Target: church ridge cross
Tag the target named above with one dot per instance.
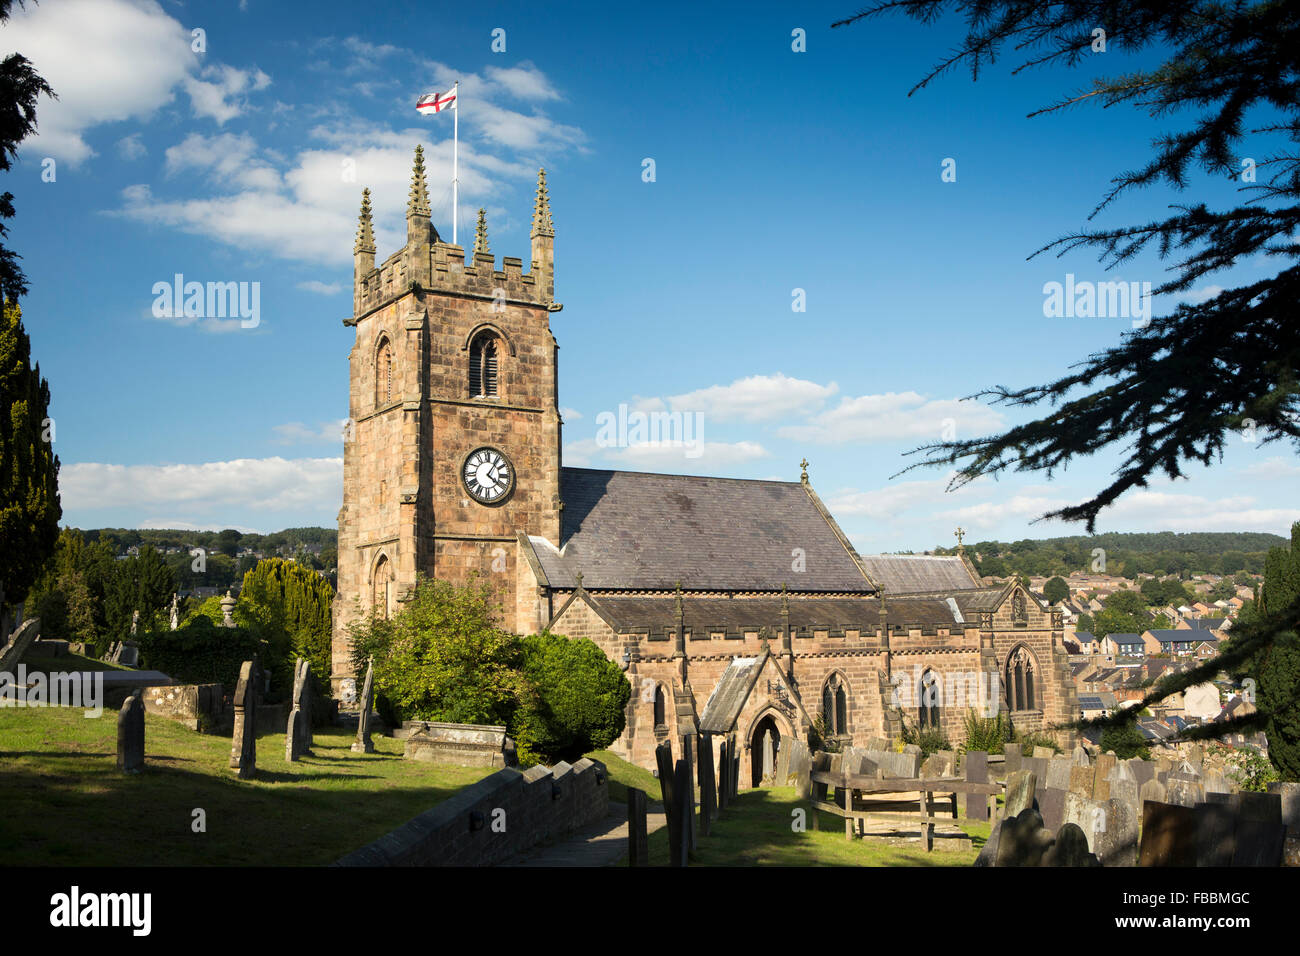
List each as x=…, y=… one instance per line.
x=959, y=534
x=803, y=469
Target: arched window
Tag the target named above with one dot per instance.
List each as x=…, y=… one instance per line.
x=384, y=373
x=1021, y=692
x=483, y=366
x=660, y=719
x=835, y=705
x=928, y=705
x=379, y=593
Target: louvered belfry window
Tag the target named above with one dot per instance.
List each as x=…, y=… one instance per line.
x=384, y=373
x=483, y=367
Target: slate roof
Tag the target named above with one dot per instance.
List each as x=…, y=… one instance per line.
x=729, y=696
x=1207, y=623
x=1125, y=640
x=735, y=614
x=637, y=531
x=1183, y=636
x=1090, y=702
x=915, y=573
x=1085, y=637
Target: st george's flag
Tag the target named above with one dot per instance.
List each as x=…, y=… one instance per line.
x=436, y=102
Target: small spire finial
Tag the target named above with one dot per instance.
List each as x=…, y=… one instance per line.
x=417, y=203
x=680, y=611
x=480, y=235
x=365, y=227
x=578, y=576
x=542, y=225
x=785, y=600
x=803, y=474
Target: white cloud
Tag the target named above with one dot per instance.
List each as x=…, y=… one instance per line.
x=131, y=147
x=226, y=158
x=754, y=399
x=1273, y=468
x=323, y=288
x=570, y=414
x=890, y=501
x=700, y=458
x=224, y=489
x=525, y=81
x=1203, y=294
x=113, y=60
x=895, y=415
x=296, y=433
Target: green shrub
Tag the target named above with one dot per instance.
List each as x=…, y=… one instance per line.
x=929, y=739
x=198, y=653
x=579, y=697
x=1031, y=740
x=1126, y=740
x=987, y=733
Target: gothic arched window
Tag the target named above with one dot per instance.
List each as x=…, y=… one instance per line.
x=928, y=705
x=384, y=372
x=1021, y=692
x=660, y=719
x=835, y=705
x=483, y=354
x=379, y=592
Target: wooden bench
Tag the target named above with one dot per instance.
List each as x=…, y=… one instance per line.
x=857, y=788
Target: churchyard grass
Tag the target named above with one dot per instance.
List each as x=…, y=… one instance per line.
x=623, y=775
x=756, y=830
x=66, y=803
x=67, y=664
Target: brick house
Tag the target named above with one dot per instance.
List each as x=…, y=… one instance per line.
x=453, y=467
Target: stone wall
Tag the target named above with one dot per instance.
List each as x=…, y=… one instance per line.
x=469, y=830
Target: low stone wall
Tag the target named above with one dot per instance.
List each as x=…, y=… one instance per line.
x=186, y=703
x=495, y=819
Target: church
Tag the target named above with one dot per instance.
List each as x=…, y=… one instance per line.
x=738, y=606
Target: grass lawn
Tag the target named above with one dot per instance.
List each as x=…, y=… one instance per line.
x=623, y=775
x=66, y=803
x=756, y=831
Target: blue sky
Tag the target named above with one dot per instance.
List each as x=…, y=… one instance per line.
x=775, y=170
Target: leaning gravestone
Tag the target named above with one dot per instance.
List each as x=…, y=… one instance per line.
x=1038, y=767
x=1168, y=835
x=1080, y=757
x=1184, y=791
x=1069, y=849
x=1142, y=770
x=1020, y=793
x=782, y=761
x=243, y=747
x=1023, y=840
x=1258, y=806
x=130, y=735
x=363, y=744
x=303, y=700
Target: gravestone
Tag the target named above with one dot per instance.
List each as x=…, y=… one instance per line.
x=1044, y=753
x=1152, y=791
x=243, y=745
x=977, y=771
x=1058, y=773
x=1258, y=806
x=687, y=792
x=363, y=743
x=1012, y=755
x=302, y=700
x=1020, y=793
x=802, y=783
x=1051, y=806
x=1258, y=843
x=638, y=838
x=1080, y=757
x=1102, y=770
x=130, y=735
x=1216, y=834
x=1038, y=767
x=129, y=654
x=1289, y=796
x=1168, y=835
x=1083, y=812
x=668, y=793
x=1069, y=849
x=685, y=795
x=1023, y=840
x=1215, y=782
x=941, y=763
x=708, y=784
x=988, y=854
x=1142, y=770
x=1183, y=791
x=293, y=736
x=877, y=743
x=1115, y=835
x=1081, y=780
x=782, y=761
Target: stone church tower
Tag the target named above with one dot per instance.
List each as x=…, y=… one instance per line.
x=452, y=449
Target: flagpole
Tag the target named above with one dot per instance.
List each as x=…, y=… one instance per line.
x=455, y=158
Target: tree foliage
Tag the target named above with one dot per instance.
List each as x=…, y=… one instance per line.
x=581, y=696
x=1177, y=391
x=1056, y=590
x=29, y=493
x=291, y=610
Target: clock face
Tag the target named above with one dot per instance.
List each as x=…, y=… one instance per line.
x=488, y=475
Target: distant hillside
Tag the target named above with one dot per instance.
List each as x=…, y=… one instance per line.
x=285, y=543
x=1162, y=552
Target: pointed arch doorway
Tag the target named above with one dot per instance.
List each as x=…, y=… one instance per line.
x=763, y=747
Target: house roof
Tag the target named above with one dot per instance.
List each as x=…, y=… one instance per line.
x=1090, y=702
x=637, y=531
x=1085, y=637
x=1125, y=640
x=1182, y=636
